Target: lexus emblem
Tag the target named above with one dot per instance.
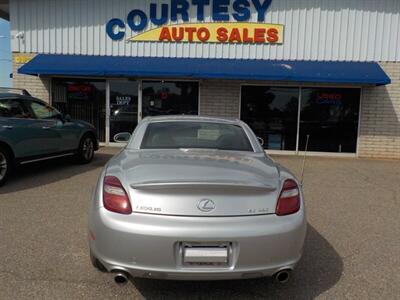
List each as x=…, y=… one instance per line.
x=206, y=205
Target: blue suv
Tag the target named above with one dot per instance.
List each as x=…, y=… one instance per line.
x=31, y=131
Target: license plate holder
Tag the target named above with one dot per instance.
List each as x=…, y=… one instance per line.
x=206, y=255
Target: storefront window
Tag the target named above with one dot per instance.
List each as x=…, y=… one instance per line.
x=272, y=113
x=83, y=100
x=170, y=98
x=330, y=117
x=123, y=107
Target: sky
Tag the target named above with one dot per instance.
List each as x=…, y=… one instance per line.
x=5, y=54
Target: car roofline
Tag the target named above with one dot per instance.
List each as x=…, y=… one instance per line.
x=10, y=95
x=140, y=130
x=18, y=96
x=175, y=118
x=21, y=97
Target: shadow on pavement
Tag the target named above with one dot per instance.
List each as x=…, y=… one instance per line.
x=319, y=270
x=46, y=172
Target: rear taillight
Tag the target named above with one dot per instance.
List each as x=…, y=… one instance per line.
x=289, y=199
x=115, y=198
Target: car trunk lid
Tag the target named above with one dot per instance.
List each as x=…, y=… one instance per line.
x=202, y=183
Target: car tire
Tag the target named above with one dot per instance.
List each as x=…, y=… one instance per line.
x=6, y=165
x=86, y=149
x=96, y=264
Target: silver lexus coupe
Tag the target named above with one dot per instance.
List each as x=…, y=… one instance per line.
x=195, y=198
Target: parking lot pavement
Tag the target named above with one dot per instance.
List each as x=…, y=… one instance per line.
x=352, y=247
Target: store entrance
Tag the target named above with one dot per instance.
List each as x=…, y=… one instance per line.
x=117, y=105
x=123, y=107
x=157, y=98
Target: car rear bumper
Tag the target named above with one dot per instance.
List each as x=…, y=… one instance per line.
x=150, y=246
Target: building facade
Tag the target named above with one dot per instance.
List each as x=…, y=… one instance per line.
x=326, y=71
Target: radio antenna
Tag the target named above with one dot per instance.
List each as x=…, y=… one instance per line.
x=304, y=161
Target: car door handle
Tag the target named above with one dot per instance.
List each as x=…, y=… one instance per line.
x=46, y=127
x=8, y=127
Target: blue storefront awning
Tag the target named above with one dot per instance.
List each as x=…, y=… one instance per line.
x=360, y=73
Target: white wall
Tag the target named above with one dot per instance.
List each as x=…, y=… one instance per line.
x=351, y=30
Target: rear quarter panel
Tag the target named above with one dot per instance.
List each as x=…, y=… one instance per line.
x=19, y=138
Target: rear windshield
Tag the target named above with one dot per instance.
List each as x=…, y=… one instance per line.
x=175, y=135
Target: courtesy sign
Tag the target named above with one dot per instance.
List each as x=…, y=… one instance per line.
x=218, y=21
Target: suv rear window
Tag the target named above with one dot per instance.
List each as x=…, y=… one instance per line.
x=188, y=134
x=43, y=111
x=12, y=108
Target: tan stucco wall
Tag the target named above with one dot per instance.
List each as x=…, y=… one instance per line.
x=380, y=118
x=219, y=98
x=38, y=87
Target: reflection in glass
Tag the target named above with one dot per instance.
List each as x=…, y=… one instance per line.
x=170, y=98
x=82, y=100
x=330, y=117
x=123, y=107
x=272, y=114
x=195, y=135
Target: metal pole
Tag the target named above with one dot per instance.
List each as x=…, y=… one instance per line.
x=304, y=160
x=108, y=112
x=298, y=122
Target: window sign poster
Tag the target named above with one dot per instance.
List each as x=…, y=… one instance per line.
x=79, y=91
x=123, y=100
x=329, y=98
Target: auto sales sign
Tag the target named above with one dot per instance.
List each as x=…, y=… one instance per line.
x=214, y=21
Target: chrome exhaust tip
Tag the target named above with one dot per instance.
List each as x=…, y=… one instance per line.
x=282, y=276
x=120, y=278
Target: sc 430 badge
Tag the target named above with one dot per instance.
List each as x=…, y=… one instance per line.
x=258, y=211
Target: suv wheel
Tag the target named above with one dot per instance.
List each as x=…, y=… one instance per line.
x=86, y=149
x=5, y=165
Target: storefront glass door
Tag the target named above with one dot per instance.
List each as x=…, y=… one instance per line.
x=123, y=107
x=170, y=98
